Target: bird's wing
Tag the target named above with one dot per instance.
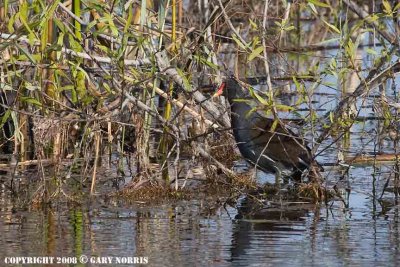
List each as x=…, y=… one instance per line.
x=281, y=145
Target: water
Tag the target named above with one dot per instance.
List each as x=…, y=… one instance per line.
x=203, y=233
x=362, y=229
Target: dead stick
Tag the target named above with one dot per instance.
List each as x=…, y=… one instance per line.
x=207, y=155
x=96, y=159
x=27, y=163
x=182, y=106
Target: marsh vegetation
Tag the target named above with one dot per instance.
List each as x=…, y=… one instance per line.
x=120, y=92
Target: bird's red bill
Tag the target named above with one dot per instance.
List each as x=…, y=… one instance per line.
x=220, y=90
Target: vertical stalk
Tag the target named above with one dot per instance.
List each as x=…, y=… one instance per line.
x=180, y=12
x=173, y=26
x=76, y=9
x=168, y=106
x=266, y=64
x=3, y=13
x=143, y=137
x=396, y=184
x=96, y=160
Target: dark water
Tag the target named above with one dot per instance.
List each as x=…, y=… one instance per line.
x=202, y=233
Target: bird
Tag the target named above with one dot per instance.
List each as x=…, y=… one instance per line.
x=269, y=146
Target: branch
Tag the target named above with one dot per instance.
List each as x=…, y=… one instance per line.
x=166, y=68
x=373, y=80
x=108, y=60
x=364, y=15
x=228, y=21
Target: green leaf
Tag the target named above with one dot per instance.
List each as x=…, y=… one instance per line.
x=256, y=52
x=372, y=18
x=186, y=82
x=241, y=100
x=253, y=24
x=238, y=42
x=333, y=27
x=284, y=107
x=371, y=51
x=290, y=28
x=296, y=82
x=333, y=64
x=31, y=87
x=60, y=25
x=274, y=125
x=255, y=42
x=107, y=88
x=260, y=99
x=26, y=53
x=328, y=41
x=31, y=100
x=10, y=24
x=318, y=3
x=387, y=8
x=313, y=8
x=248, y=114
x=5, y=117
x=206, y=62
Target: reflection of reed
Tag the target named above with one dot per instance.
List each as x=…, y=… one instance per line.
x=51, y=234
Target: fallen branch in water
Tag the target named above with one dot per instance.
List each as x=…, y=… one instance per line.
x=384, y=158
x=207, y=155
x=29, y=163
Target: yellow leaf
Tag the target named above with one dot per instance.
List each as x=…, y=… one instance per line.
x=387, y=7
x=238, y=42
x=284, y=107
x=333, y=27
x=318, y=3
x=261, y=100
x=256, y=52
x=274, y=125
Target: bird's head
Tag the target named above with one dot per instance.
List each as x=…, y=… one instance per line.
x=230, y=83
x=232, y=88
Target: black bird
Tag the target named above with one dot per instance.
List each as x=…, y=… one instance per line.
x=277, y=150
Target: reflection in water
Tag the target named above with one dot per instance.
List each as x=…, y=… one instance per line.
x=265, y=233
x=363, y=233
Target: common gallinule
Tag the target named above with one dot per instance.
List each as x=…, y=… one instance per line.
x=278, y=150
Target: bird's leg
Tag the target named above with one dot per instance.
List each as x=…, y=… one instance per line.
x=278, y=176
x=254, y=176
